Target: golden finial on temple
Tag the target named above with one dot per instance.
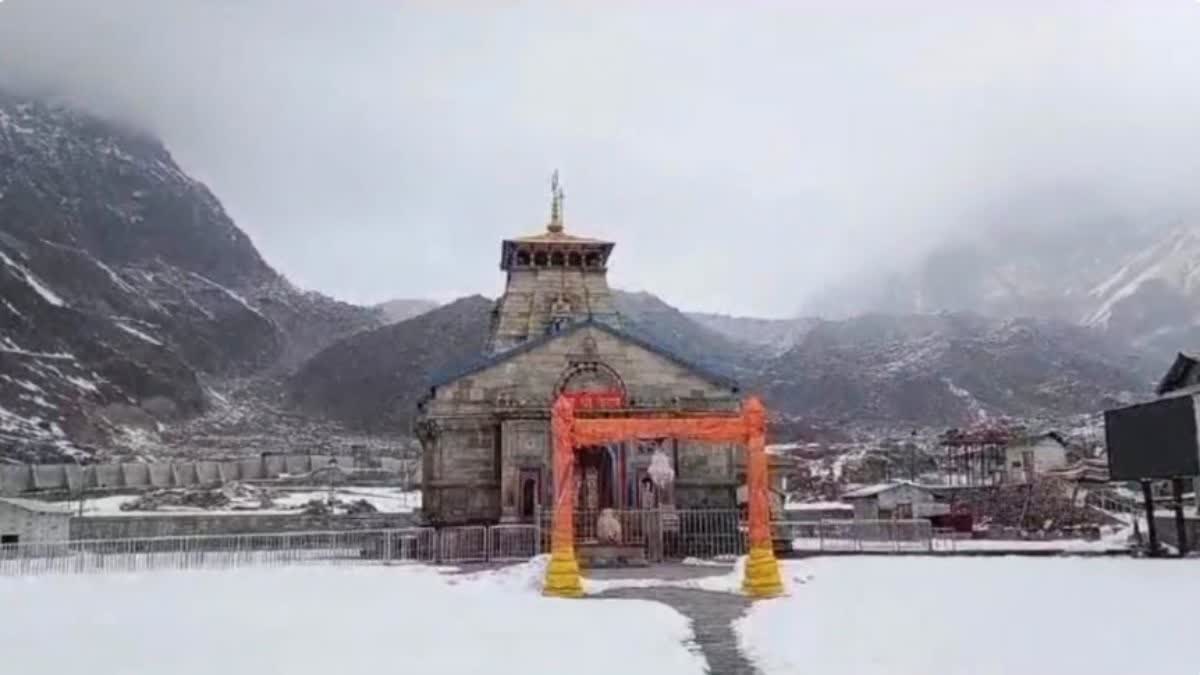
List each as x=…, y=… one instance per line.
x=556, y=205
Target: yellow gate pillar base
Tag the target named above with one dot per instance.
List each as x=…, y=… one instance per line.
x=762, y=578
x=562, y=575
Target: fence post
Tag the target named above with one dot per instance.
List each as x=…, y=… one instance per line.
x=537, y=530
x=658, y=534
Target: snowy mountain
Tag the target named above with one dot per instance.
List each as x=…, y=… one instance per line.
x=949, y=369
x=135, y=317
x=1137, y=284
x=772, y=336
x=875, y=370
x=399, y=309
x=1153, y=298
x=124, y=285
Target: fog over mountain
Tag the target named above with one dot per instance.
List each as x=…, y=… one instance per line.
x=747, y=160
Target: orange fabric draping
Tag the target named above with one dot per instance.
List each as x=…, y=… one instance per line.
x=761, y=578
x=571, y=432
x=584, y=400
x=756, y=473
x=562, y=419
x=597, y=431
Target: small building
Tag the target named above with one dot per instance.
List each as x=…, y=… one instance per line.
x=1032, y=456
x=29, y=521
x=816, y=511
x=898, y=500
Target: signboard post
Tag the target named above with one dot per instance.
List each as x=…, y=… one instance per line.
x=1159, y=440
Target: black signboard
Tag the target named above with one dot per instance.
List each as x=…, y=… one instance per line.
x=1153, y=440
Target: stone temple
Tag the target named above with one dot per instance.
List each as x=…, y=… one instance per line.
x=485, y=430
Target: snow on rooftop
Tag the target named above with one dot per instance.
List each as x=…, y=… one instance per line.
x=384, y=499
x=37, y=506
x=872, y=490
x=818, y=506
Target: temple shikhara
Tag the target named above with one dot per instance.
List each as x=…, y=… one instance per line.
x=485, y=429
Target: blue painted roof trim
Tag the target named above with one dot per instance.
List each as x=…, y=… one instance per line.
x=442, y=379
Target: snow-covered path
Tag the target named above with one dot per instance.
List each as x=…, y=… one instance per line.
x=321, y=620
x=978, y=616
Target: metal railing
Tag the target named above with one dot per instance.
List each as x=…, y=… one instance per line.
x=499, y=543
x=512, y=542
x=664, y=534
x=869, y=536
x=463, y=544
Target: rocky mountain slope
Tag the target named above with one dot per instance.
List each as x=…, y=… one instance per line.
x=1152, y=299
x=1138, y=284
x=949, y=369
x=881, y=370
x=770, y=336
x=373, y=380
x=136, y=317
x=123, y=285
x=648, y=316
x=400, y=309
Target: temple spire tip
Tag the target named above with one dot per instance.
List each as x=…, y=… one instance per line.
x=556, y=205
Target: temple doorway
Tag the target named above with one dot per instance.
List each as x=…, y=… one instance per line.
x=596, y=479
x=531, y=489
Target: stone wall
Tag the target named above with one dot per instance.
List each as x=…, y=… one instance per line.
x=32, y=527
x=534, y=375
x=18, y=479
x=176, y=525
x=530, y=295
x=493, y=424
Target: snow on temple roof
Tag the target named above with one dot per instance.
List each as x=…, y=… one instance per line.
x=711, y=375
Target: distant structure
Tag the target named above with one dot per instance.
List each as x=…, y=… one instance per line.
x=485, y=429
x=994, y=455
x=28, y=521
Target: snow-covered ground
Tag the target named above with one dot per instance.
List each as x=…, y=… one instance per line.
x=384, y=499
x=317, y=620
x=952, y=616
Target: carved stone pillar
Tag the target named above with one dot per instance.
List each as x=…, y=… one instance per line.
x=509, y=476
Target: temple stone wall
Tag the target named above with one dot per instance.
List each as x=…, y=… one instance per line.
x=462, y=479
x=534, y=375
x=526, y=308
x=486, y=434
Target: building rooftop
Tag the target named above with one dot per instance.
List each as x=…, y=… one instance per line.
x=878, y=488
x=36, y=506
x=559, y=237
x=442, y=379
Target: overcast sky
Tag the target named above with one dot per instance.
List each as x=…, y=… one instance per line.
x=742, y=159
